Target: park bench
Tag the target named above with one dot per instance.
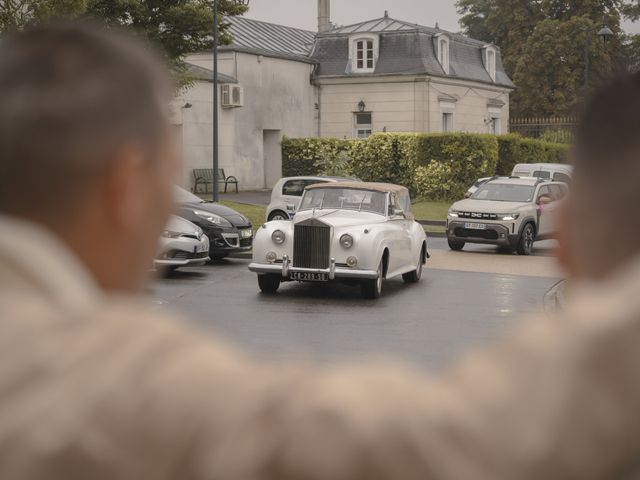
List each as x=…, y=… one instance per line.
x=204, y=176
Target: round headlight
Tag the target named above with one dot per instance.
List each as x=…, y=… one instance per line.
x=271, y=257
x=352, y=262
x=346, y=240
x=278, y=237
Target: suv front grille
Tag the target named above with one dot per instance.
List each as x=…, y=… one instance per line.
x=311, y=244
x=478, y=216
x=468, y=232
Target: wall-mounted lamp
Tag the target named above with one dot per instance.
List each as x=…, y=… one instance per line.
x=362, y=106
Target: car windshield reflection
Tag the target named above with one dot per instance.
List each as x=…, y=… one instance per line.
x=344, y=199
x=500, y=192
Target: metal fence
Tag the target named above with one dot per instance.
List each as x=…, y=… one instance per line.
x=553, y=128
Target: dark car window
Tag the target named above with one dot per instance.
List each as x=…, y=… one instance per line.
x=545, y=192
x=295, y=188
x=542, y=174
x=561, y=177
x=558, y=192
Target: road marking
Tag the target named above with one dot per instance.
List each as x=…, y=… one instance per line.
x=531, y=266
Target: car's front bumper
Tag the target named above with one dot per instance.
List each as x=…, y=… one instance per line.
x=493, y=234
x=228, y=240
x=285, y=269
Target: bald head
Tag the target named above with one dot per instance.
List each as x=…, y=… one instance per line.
x=70, y=96
x=604, y=216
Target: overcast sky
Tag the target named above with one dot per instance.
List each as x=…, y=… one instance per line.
x=303, y=13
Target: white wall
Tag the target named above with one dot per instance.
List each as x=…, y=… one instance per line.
x=278, y=97
x=407, y=104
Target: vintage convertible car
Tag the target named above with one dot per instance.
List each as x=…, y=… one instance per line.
x=356, y=233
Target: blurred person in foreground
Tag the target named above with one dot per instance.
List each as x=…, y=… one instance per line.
x=95, y=386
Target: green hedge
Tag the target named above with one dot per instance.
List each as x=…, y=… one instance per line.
x=514, y=149
x=314, y=156
x=435, y=166
x=450, y=162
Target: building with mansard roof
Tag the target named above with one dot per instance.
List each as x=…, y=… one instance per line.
x=348, y=81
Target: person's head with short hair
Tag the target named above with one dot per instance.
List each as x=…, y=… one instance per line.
x=85, y=144
x=601, y=224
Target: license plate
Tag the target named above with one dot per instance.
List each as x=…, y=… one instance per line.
x=246, y=233
x=475, y=226
x=310, y=277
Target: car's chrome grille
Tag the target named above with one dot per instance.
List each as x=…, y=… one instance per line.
x=311, y=244
x=478, y=216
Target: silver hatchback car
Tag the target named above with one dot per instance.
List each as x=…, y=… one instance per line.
x=286, y=195
x=182, y=244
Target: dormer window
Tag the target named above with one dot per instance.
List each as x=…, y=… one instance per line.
x=363, y=54
x=490, y=61
x=442, y=45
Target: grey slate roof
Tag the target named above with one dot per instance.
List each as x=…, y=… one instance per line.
x=200, y=73
x=270, y=39
x=406, y=49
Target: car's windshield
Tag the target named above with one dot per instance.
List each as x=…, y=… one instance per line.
x=182, y=196
x=344, y=199
x=502, y=192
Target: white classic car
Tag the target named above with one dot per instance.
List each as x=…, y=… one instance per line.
x=355, y=233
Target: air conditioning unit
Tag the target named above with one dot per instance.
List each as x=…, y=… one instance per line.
x=232, y=96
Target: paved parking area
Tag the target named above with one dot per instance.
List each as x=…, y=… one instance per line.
x=463, y=300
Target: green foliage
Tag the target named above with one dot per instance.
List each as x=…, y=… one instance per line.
x=453, y=162
x=176, y=27
x=514, y=149
x=385, y=157
x=543, y=44
x=557, y=136
x=315, y=156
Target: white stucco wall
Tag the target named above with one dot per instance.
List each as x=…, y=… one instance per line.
x=278, y=100
x=408, y=104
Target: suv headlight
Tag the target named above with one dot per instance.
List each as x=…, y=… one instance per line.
x=278, y=237
x=453, y=213
x=346, y=241
x=510, y=217
x=212, y=218
x=170, y=234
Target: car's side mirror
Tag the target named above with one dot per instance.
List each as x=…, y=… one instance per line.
x=544, y=200
x=468, y=195
x=398, y=212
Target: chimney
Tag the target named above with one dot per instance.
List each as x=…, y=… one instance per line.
x=324, y=15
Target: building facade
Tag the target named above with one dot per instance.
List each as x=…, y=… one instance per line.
x=347, y=82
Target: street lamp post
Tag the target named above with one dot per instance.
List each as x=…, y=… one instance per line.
x=216, y=175
x=604, y=33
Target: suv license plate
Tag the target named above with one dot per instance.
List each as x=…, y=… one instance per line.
x=310, y=277
x=475, y=226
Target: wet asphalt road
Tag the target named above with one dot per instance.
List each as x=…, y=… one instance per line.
x=426, y=324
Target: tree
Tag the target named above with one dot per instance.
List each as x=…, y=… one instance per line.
x=177, y=27
x=543, y=43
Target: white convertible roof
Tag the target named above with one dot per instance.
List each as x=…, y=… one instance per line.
x=377, y=187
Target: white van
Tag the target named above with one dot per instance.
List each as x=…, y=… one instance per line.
x=556, y=172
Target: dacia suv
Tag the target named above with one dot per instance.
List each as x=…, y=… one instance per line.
x=512, y=212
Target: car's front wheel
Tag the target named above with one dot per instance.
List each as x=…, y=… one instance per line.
x=372, y=289
x=525, y=243
x=455, y=245
x=269, y=283
x=278, y=215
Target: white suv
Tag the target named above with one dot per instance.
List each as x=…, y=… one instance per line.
x=286, y=195
x=508, y=211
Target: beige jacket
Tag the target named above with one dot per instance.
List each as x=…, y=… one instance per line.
x=93, y=387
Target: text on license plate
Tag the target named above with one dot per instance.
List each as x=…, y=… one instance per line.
x=475, y=226
x=246, y=233
x=310, y=277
